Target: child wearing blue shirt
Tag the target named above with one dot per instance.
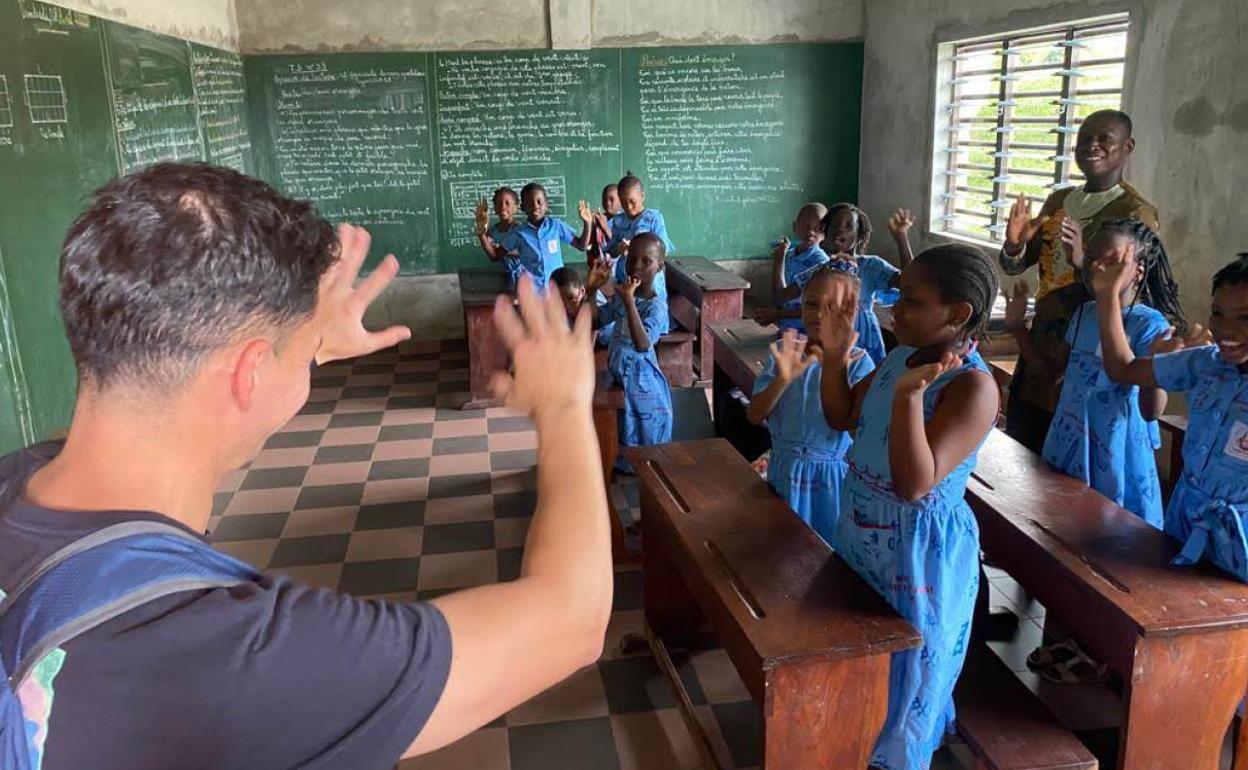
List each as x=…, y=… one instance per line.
x=536, y=243
x=489, y=236
x=792, y=266
x=1104, y=433
x=807, y=465
x=639, y=315
x=846, y=233
x=1206, y=512
x=633, y=220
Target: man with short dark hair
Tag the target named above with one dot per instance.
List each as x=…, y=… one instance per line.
x=196, y=301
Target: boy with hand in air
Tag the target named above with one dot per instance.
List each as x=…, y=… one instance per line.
x=1104, y=433
x=536, y=243
x=639, y=317
x=489, y=236
x=1206, y=512
x=793, y=265
x=905, y=525
x=807, y=465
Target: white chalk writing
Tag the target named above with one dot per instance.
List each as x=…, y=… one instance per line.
x=220, y=93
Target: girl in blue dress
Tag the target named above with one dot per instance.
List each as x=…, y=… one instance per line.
x=904, y=526
x=792, y=265
x=1104, y=433
x=1207, y=511
x=807, y=464
x=847, y=231
x=639, y=316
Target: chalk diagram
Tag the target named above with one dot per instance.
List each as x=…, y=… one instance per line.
x=45, y=97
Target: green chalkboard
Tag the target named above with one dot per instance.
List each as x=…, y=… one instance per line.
x=353, y=134
x=56, y=145
x=729, y=140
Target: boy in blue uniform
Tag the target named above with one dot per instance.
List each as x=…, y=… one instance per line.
x=506, y=204
x=1208, y=507
x=640, y=318
x=792, y=266
x=536, y=244
x=633, y=220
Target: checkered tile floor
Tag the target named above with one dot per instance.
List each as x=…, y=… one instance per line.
x=382, y=487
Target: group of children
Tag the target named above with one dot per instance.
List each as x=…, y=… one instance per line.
x=873, y=449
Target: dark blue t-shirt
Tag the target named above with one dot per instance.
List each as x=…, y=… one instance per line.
x=271, y=674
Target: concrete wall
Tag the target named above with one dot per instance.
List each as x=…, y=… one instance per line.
x=212, y=22
x=412, y=25
x=1185, y=91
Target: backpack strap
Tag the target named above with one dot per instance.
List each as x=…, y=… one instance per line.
x=100, y=576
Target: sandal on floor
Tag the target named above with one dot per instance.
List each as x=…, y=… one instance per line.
x=1055, y=654
x=1080, y=670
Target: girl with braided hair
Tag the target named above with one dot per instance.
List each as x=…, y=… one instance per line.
x=904, y=525
x=1105, y=433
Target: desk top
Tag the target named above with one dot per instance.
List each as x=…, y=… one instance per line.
x=705, y=274
x=481, y=285
x=742, y=348
x=791, y=596
x=1122, y=563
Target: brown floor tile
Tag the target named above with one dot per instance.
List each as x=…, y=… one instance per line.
x=353, y=405
x=361, y=435
x=407, y=416
x=338, y=473
x=511, y=533
x=456, y=428
x=403, y=450
x=307, y=422
x=255, y=552
x=395, y=491
x=456, y=465
x=458, y=570
x=284, y=458
x=263, y=501
x=373, y=544
x=486, y=749
x=316, y=575
x=502, y=442
x=580, y=696
x=231, y=481
x=654, y=739
x=453, y=510
x=321, y=521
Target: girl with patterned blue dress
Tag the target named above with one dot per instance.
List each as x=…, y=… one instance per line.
x=920, y=419
x=1208, y=508
x=639, y=318
x=489, y=236
x=847, y=231
x=1104, y=433
x=807, y=464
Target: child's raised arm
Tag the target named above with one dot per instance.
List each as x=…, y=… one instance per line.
x=922, y=453
x=899, y=225
x=1016, y=324
x=789, y=353
x=482, y=221
x=841, y=402
x=636, y=329
x=581, y=242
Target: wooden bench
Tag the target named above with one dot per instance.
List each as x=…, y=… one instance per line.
x=1006, y=726
x=1177, y=637
x=712, y=295
x=675, y=353
x=811, y=640
x=742, y=348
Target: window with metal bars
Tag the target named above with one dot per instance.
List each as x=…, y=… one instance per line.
x=1009, y=108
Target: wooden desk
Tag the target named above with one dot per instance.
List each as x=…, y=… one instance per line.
x=1174, y=425
x=742, y=348
x=717, y=293
x=608, y=400
x=1178, y=637
x=479, y=287
x=811, y=640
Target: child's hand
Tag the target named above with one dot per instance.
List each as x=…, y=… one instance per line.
x=481, y=217
x=628, y=289
x=765, y=315
x=599, y=275
x=1197, y=336
x=1072, y=241
x=782, y=248
x=601, y=219
x=621, y=248
x=553, y=365
x=585, y=213
x=918, y=379
x=836, y=322
x=1020, y=228
x=791, y=358
x=900, y=222
x=1016, y=308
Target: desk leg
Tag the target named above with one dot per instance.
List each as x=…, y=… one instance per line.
x=606, y=427
x=717, y=306
x=1183, y=693
x=825, y=714
x=486, y=355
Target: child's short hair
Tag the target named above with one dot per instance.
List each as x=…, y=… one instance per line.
x=814, y=207
x=1158, y=289
x=1118, y=116
x=567, y=278
x=1234, y=274
x=628, y=182
x=648, y=241
x=530, y=189
x=506, y=191
x=863, y=235
x=836, y=268
x=609, y=188
x=964, y=274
